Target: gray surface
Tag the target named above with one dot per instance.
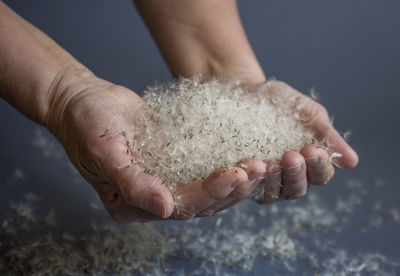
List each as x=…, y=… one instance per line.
x=347, y=50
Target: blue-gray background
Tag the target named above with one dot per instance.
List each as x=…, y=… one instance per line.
x=347, y=50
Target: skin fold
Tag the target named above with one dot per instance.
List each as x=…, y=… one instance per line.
x=92, y=118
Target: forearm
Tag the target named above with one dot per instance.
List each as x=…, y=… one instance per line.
x=201, y=37
x=30, y=64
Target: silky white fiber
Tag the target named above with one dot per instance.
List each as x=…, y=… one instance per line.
x=191, y=128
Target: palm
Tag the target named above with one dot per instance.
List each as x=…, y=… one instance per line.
x=97, y=133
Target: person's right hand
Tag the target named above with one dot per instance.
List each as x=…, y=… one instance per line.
x=289, y=177
x=93, y=119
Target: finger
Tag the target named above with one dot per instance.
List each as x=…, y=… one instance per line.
x=319, y=121
x=244, y=194
x=336, y=143
x=145, y=191
x=315, y=116
x=195, y=197
x=294, y=181
x=319, y=168
x=243, y=190
x=255, y=170
x=136, y=187
x=253, y=167
x=272, y=182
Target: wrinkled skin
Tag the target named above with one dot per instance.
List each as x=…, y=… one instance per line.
x=93, y=119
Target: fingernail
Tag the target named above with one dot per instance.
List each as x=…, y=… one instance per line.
x=293, y=170
x=157, y=206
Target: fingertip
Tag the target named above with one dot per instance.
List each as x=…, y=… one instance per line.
x=352, y=159
x=319, y=167
x=148, y=193
x=291, y=159
x=163, y=205
x=254, y=168
x=156, y=204
x=348, y=160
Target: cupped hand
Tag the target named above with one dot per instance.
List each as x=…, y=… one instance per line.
x=289, y=177
x=93, y=120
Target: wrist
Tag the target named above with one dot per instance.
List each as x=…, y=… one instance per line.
x=206, y=39
x=247, y=70
x=213, y=64
x=66, y=84
x=198, y=58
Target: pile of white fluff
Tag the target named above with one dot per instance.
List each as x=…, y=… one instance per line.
x=192, y=128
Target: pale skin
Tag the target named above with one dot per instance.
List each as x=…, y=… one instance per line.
x=204, y=38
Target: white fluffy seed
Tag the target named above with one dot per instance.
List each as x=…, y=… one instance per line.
x=192, y=128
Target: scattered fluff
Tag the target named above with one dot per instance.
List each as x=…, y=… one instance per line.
x=238, y=241
x=110, y=251
x=193, y=128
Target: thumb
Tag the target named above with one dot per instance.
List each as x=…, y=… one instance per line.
x=137, y=188
x=144, y=191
